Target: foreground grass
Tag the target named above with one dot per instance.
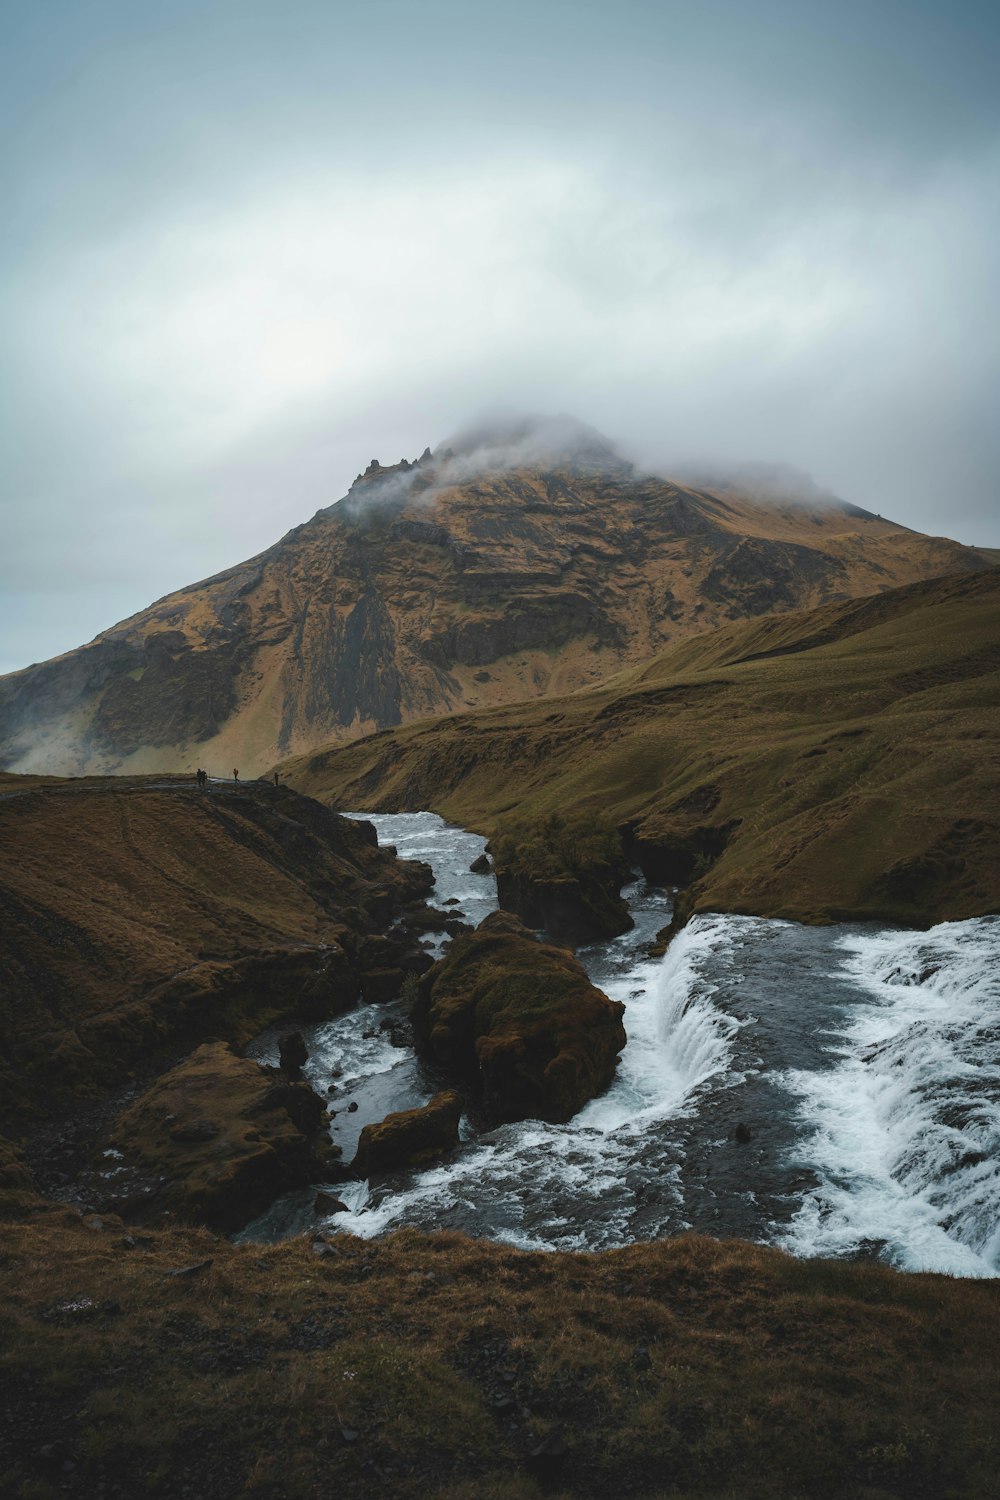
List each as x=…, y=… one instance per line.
x=436, y=1365
x=840, y=763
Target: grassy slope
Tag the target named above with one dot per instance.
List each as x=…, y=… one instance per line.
x=140, y=916
x=433, y=1366
x=856, y=745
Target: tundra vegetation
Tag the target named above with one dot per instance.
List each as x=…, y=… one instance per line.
x=172, y=1362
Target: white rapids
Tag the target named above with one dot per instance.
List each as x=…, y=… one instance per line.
x=906, y=1122
x=834, y=1090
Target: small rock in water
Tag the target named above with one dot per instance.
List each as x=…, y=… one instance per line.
x=326, y=1203
x=292, y=1054
x=742, y=1133
x=352, y=1108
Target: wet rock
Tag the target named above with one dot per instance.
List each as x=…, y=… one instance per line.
x=520, y=1021
x=481, y=865
x=352, y=1108
x=574, y=909
x=380, y=985
x=410, y=1137
x=293, y=1054
x=424, y=918
x=325, y=1204
x=743, y=1134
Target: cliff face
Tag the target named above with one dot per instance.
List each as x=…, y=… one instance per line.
x=465, y=580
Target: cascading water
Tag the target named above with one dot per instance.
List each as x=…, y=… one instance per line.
x=906, y=1123
x=832, y=1089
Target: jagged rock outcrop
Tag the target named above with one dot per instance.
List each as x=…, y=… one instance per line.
x=520, y=1022
x=509, y=566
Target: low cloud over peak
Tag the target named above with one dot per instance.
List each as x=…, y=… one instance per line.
x=710, y=230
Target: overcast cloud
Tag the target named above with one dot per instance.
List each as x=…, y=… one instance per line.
x=250, y=246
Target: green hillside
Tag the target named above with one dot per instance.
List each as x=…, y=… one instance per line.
x=832, y=764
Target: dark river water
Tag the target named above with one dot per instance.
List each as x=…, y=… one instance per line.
x=833, y=1090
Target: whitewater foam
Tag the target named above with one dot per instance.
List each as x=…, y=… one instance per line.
x=574, y=1186
x=905, y=1126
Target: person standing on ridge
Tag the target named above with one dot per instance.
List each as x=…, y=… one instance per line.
x=276, y=778
x=236, y=775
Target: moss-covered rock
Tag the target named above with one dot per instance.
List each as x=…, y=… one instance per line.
x=214, y=1141
x=410, y=1137
x=520, y=1021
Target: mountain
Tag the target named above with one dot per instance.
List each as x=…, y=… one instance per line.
x=515, y=562
x=832, y=764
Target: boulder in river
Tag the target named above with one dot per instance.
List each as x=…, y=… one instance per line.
x=520, y=1020
x=293, y=1054
x=412, y=1137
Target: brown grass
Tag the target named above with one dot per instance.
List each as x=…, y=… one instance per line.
x=140, y=917
x=434, y=1365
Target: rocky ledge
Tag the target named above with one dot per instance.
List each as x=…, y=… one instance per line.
x=213, y=1142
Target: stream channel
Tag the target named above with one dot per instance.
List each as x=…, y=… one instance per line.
x=862, y=1065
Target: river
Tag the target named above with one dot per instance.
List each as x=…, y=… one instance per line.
x=833, y=1090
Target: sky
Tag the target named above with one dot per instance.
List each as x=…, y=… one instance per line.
x=247, y=246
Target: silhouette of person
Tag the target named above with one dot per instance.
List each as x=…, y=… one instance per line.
x=236, y=775
x=276, y=778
